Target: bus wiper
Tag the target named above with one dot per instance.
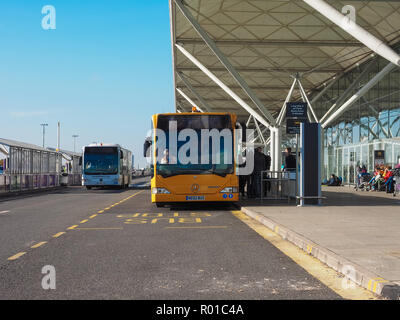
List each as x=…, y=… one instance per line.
x=221, y=174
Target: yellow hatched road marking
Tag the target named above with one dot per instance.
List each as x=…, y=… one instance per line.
x=16, y=256
x=37, y=245
x=376, y=284
x=100, y=211
x=202, y=227
x=58, y=234
x=312, y=265
x=99, y=228
x=92, y=216
x=72, y=227
x=84, y=221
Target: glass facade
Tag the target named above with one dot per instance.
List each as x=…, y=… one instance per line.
x=372, y=123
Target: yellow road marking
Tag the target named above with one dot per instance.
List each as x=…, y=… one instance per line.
x=72, y=227
x=37, y=245
x=84, y=221
x=58, y=234
x=16, y=256
x=92, y=216
x=202, y=227
x=375, y=283
x=99, y=228
x=100, y=211
x=313, y=266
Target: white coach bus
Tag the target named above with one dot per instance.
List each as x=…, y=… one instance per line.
x=106, y=165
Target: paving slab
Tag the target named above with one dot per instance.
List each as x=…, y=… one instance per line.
x=359, y=228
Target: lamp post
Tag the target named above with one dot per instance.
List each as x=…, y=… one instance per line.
x=75, y=136
x=44, y=125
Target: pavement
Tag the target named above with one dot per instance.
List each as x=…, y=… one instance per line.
x=357, y=233
x=114, y=244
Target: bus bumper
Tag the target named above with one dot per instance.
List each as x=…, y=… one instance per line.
x=214, y=197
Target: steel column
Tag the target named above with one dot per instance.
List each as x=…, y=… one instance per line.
x=355, y=30
x=188, y=99
x=225, y=62
x=223, y=86
x=360, y=93
x=190, y=87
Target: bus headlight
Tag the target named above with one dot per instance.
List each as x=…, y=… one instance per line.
x=229, y=190
x=160, y=191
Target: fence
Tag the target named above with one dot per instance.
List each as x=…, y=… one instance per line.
x=278, y=185
x=29, y=167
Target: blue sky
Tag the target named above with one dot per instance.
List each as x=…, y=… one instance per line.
x=102, y=73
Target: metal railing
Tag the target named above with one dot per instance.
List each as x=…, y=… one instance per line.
x=278, y=185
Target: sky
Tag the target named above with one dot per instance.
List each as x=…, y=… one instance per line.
x=102, y=73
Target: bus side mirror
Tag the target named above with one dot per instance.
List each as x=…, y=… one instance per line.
x=146, y=147
x=80, y=161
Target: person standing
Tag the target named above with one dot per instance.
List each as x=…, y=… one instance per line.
x=290, y=160
x=259, y=166
x=267, y=184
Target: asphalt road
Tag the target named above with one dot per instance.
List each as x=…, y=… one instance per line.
x=133, y=250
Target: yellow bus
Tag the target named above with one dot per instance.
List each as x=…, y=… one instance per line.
x=193, y=158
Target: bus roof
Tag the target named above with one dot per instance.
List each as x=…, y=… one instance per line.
x=101, y=144
x=195, y=114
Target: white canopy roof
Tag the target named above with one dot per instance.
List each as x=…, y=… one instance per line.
x=267, y=41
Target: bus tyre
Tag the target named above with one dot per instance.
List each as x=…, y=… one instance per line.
x=160, y=204
x=88, y=188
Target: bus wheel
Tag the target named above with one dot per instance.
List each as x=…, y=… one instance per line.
x=88, y=188
x=160, y=204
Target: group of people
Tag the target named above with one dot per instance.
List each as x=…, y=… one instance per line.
x=262, y=162
x=382, y=179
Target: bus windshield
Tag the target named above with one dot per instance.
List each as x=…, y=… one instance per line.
x=101, y=160
x=220, y=158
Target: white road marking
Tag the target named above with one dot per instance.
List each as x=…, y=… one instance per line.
x=6, y=211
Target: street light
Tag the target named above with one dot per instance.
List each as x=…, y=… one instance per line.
x=44, y=125
x=74, y=136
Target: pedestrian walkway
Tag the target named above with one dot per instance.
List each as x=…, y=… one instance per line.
x=357, y=233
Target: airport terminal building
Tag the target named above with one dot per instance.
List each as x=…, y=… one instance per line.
x=252, y=57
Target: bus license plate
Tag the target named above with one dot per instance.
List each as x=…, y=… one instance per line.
x=195, y=198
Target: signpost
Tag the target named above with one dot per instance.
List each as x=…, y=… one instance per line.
x=296, y=113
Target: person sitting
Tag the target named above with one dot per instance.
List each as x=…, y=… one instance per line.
x=389, y=184
x=334, y=181
x=374, y=178
x=168, y=159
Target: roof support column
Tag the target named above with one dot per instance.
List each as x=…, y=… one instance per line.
x=345, y=94
x=327, y=87
x=259, y=131
x=360, y=93
x=190, y=87
x=283, y=110
x=355, y=30
x=188, y=99
x=211, y=44
x=223, y=86
x=303, y=93
x=276, y=149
